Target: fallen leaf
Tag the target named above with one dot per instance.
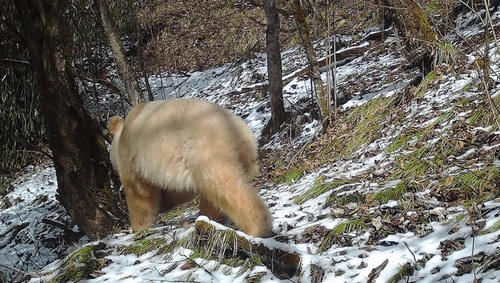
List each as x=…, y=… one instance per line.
x=449, y=180
x=188, y=265
x=377, y=222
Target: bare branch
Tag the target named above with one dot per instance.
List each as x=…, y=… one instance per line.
x=14, y=63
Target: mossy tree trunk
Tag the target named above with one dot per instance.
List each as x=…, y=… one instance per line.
x=274, y=69
x=322, y=97
x=133, y=93
x=79, y=152
x=411, y=21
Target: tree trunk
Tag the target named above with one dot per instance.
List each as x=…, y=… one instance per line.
x=315, y=74
x=125, y=71
x=411, y=21
x=79, y=152
x=274, y=70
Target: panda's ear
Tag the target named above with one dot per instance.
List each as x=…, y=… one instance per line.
x=115, y=124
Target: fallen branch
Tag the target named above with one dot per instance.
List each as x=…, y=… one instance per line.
x=25, y=274
x=376, y=271
x=343, y=57
x=102, y=82
x=12, y=233
x=67, y=230
x=14, y=63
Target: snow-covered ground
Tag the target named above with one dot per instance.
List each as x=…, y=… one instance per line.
x=437, y=240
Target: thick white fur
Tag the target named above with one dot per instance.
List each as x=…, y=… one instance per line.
x=188, y=146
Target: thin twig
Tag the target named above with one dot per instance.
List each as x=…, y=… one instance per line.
x=199, y=265
x=23, y=272
x=494, y=109
x=489, y=21
x=14, y=63
x=408, y=247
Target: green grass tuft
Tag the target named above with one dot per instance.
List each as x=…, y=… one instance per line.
x=424, y=85
x=495, y=227
x=171, y=214
x=352, y=225
x=399, y=142
x=405, y=271
x=221, y=246
x=79, y=265
x=368, y=120
x=345, y=198
x=396, y=193
x=319, y=188
x=291, y=176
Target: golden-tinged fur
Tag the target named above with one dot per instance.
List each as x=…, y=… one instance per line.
x=168, y=152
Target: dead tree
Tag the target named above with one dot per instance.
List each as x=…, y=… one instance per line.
x=274, y=69
x=322, y=97
x=411, y=22
x=124, y=69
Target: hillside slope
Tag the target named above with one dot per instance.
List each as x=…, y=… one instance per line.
x=403, y=187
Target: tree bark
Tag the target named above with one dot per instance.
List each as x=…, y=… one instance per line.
x=411, y=21
x=125, y=71
x=274, y=69
x=322, y=97
x=79, y=152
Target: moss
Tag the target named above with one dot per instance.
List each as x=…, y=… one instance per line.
x=396, y=193
x=430, y=77
x=143, y=246
x=422, y=29
x=171, y=214
x=79, y=265
x=291, y=175
x=319, y=188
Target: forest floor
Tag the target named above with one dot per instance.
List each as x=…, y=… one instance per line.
x=403, y=187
